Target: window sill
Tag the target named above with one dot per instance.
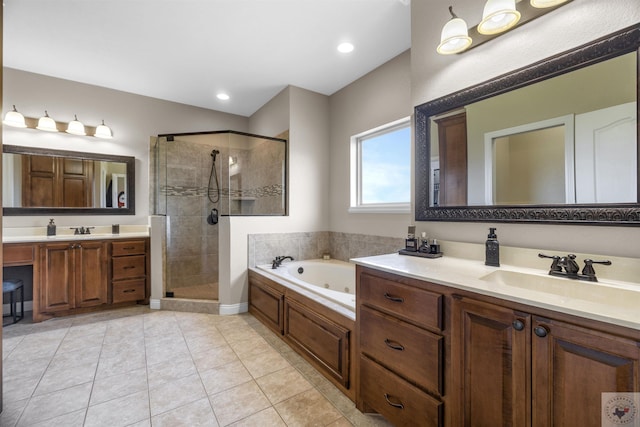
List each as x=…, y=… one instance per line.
x=382, y=209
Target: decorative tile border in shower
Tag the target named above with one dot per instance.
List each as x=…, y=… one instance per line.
x=188, y=191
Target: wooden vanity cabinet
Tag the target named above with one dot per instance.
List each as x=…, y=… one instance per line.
x=400, y=349
x=74, y=275
x=129, y=270
x=516, y=368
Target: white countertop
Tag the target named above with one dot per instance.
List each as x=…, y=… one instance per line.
x=602, y=302
x=64, y=233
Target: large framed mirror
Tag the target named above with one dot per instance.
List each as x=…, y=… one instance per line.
x=38, y=181
x=554, y=142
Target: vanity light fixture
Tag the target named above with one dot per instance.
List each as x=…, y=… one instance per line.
x=454, y=37
x=75, y=127
x=498, y=17
x=103, y=131
x=546, y=3
x=46, y=123
x=14, y=118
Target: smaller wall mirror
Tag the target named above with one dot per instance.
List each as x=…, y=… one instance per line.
x=38, y=181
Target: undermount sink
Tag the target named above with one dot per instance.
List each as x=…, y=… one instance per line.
x=595, y=292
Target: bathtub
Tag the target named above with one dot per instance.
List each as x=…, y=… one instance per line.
x=331, y=279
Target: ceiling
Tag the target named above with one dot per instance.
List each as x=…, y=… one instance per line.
x=189, y=50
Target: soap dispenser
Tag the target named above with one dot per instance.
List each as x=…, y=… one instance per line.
x=492, y=248
x=51, y=228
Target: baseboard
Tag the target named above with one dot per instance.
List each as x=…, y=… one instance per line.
x=229, y=309
x=154, y=304
x=28, y=306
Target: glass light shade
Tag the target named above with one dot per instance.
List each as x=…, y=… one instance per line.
x=46, y=123
x=14, y=118
x=454, y=38
x=541, y=4
x=76, y=127
x=498, y=16
x=103, y=131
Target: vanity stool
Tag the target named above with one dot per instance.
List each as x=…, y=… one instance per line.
x=11, y=287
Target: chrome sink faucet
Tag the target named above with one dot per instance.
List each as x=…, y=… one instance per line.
x=278, y=260
x=566, y=266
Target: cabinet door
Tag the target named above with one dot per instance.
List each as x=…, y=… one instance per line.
x=56, y=293
x=572, y=367
x=490, y=363
x=91, y=274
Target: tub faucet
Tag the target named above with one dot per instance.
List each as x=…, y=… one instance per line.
x=278, y=260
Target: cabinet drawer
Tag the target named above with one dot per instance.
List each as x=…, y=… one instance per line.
x=128, y=290
x=397, y=400
x=407, y=350
x=18, y=254
x=128, y=266
x=130, y=247
x=407, y=302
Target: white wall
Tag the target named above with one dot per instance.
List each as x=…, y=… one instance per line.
x=380, y=97
x=306, y=115
x=433, y=76
x=132, y=118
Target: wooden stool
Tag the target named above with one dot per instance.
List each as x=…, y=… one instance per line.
x=11, y=286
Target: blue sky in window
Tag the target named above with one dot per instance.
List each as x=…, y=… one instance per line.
x=386, y=168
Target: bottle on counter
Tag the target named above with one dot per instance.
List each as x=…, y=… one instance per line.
x=51, y=228
x=492, y=249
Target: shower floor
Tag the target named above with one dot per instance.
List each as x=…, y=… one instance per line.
x=207, y=291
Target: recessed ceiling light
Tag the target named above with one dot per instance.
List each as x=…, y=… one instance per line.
x=222, y=96
x=345, y=47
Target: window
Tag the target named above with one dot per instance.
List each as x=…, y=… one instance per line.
x=381, y=169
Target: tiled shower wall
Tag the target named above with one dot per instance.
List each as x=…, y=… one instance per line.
x=343, y=246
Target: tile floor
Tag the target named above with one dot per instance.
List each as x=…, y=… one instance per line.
x=141, y=367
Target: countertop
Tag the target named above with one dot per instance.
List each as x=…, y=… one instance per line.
x=65, y=233
x=595, y=300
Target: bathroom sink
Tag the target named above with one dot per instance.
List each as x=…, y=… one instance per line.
x=567, y=289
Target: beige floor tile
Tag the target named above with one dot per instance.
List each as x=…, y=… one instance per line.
x=166, y=372
x=175, y=394
x=52, y=405
x=250, y=347
x=71, y=359
x=196, y=414
x=15, y=368
x=58, y=379
x=205, y=342
x=117, y=386
x=73, y=419
x=78, y=342
x=213, y=358
x=264, y=363
x=240, y=333
x=239, y=402
x=89, y=328
x=11, y=411
x=341, y=422
x=265, y=418
x=283, y=384
x=225, y=377
x=15, y=389
x=122, y=363
x=119, y=412
x=307, y=409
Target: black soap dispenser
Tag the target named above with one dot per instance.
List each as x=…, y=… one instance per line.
x=51, y=228
x=492, y=248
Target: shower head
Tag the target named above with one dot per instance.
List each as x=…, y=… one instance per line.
x=214, y=153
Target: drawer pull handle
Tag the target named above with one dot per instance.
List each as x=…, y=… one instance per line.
x=128, y=248
x=395, y=405
x=128, y=291
x=393, y=345
x=127, y=267
x=540, y=331
x=518, y=325
x=392, y=298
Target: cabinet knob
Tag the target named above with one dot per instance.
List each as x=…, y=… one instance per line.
x=518, y=325
x=392, y=298
x=395, y=405
x=540, y=331
x=393, y=345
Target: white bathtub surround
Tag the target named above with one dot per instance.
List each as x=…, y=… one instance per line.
x=334, y=280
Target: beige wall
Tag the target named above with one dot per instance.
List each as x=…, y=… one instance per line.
x=132, y=118
x=433, y=76
x=379, y=97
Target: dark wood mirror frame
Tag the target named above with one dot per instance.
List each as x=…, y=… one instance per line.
x=611, y=46
x=131, y=196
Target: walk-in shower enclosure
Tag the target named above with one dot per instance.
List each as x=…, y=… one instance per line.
x=249, y=179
